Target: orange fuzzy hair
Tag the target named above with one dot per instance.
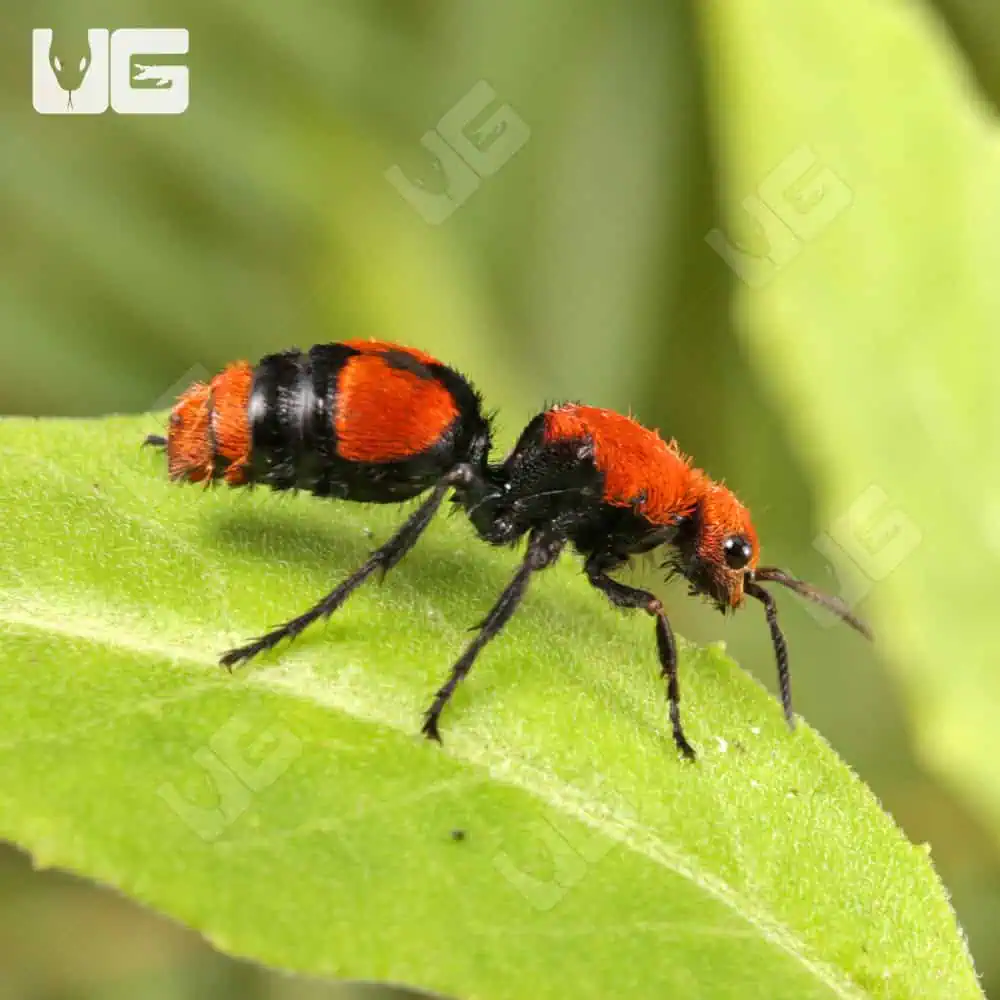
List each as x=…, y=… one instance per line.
x=640, y=469
x=209, y=427
x=653, y=477
x=385, y=413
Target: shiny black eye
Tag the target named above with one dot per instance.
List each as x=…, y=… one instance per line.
x=737, y=551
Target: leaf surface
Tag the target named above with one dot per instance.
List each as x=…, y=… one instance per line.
x=292, y=814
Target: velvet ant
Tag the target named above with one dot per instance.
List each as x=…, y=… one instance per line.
x=376, y=422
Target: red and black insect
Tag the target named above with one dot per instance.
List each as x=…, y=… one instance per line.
x=376, y=422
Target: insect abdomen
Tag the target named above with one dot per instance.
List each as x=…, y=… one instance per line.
x=361, y=420
x=209, y=435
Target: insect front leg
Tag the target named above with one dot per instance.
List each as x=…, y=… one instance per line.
x=623, y=596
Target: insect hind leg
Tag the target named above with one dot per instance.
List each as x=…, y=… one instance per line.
x=383, y=558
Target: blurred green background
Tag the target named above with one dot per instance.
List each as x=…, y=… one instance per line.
x=141, y=252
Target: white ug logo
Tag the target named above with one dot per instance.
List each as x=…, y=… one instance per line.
x=71, y=76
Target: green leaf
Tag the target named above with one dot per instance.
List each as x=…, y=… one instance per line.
x=876, y=327
x=292, y=814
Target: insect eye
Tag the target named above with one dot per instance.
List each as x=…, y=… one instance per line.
x=737, y=551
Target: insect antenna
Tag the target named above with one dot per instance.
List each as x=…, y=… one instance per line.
x=771, y=574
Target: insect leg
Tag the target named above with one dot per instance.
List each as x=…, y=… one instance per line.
x=543, y=550
x=623, y=596
x=780, y=648
x=383, y=558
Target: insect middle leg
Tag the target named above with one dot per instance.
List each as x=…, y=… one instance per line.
x=623, y=596
x=543, y=550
